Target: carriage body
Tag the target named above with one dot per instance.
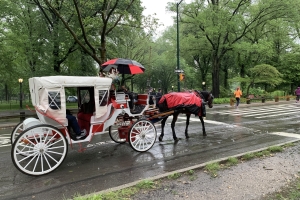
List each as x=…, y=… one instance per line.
x=40, y=145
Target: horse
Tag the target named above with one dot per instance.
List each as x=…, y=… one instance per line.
x=196, y=101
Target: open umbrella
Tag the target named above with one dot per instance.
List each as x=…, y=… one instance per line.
x=124, y=66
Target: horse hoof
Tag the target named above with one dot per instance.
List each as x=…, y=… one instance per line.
x=160, y=138
x=176, y=139
x=187, y=137
x=204, y=134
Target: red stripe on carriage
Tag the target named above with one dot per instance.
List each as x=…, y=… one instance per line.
x=97, y=128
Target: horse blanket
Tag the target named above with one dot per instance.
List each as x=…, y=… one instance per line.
x=190, y=102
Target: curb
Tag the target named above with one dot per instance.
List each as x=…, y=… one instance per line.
x=200, y=166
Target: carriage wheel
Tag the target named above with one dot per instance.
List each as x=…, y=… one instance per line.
x=142, y=135
x=114, y=134
x=39, y=150
x=16, y=132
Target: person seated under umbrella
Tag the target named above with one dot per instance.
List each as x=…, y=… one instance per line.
x=130, y=95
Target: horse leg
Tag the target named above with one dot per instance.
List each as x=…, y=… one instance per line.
x=175, y=116
x=163, y=123
x=187, y=125
x=203, y=127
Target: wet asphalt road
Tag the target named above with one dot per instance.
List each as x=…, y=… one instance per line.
x=106, y=164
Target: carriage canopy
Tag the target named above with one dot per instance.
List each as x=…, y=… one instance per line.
x=48, y=93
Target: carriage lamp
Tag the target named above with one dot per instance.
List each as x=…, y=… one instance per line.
x=20, y=81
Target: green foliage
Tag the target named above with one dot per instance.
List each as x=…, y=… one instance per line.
x=174, y=176
x=257, y=91
x=221, y=100
x=212, y=168
x=232, y=161
x=248, y=156
x=274, y=149
x=146, y=184
x=277, y=93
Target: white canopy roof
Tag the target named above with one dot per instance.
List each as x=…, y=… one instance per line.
x=70, y=81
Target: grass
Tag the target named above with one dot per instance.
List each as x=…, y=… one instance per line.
x=174, y=176
x=212, y=168
x=125, y=193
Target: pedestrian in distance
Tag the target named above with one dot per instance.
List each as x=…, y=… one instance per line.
x=237, y=95
x=297, y=93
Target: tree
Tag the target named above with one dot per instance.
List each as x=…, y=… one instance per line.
x=261, y=74
x=225, y=23
x=106, y=14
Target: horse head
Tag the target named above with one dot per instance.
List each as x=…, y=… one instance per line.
x=207, y=97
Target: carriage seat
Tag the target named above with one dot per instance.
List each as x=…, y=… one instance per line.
x=84, y=120
x=142, y=99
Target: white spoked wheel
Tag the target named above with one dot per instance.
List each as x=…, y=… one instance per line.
x=39, y=150
x=16, y=132
x=142, y=135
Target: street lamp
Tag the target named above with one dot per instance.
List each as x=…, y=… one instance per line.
x=172, y=88
x=20, y=81
x=178, y=67
x=203, y=86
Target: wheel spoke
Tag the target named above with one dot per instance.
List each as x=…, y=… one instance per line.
x=57, y=141
x=47, y=161
x=30, y=160
x=46, y=153
x=36, y=162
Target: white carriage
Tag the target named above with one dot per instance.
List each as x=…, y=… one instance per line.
x=40, y=145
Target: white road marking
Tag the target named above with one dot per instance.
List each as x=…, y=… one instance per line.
x=286, y=134
x=264, y=112
x=208, y=121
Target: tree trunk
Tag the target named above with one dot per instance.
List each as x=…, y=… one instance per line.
x=216, y=77
x=6, y=92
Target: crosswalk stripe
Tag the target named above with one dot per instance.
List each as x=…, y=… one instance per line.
x=277, y=114
x=249, y=110
x=262, y=112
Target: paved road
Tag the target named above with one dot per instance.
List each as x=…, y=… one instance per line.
x=105, y=164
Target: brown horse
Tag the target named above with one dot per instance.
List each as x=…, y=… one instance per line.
x=198, y=108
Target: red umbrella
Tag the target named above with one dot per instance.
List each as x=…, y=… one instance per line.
x=124, y=66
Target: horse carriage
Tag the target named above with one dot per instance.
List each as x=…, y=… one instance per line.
x=39, y=146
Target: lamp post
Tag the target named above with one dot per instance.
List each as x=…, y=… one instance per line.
x=178, y=67
x=203, y=86
x=172, y=88
x=20, y=81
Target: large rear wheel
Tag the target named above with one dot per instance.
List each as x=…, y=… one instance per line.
x=142, y=135
x=39, y=150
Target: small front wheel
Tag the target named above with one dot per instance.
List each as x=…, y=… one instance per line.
x=142, y=135
x=114, y=134
x=39, y=150
x=16, y=132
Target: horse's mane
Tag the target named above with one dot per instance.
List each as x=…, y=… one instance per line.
x=202, y=94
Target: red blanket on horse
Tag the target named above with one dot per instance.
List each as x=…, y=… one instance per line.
x=178, y=100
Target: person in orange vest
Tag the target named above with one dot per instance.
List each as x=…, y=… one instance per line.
x=237, y=94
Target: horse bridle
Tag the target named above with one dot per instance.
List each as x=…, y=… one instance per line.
x=203, y=98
